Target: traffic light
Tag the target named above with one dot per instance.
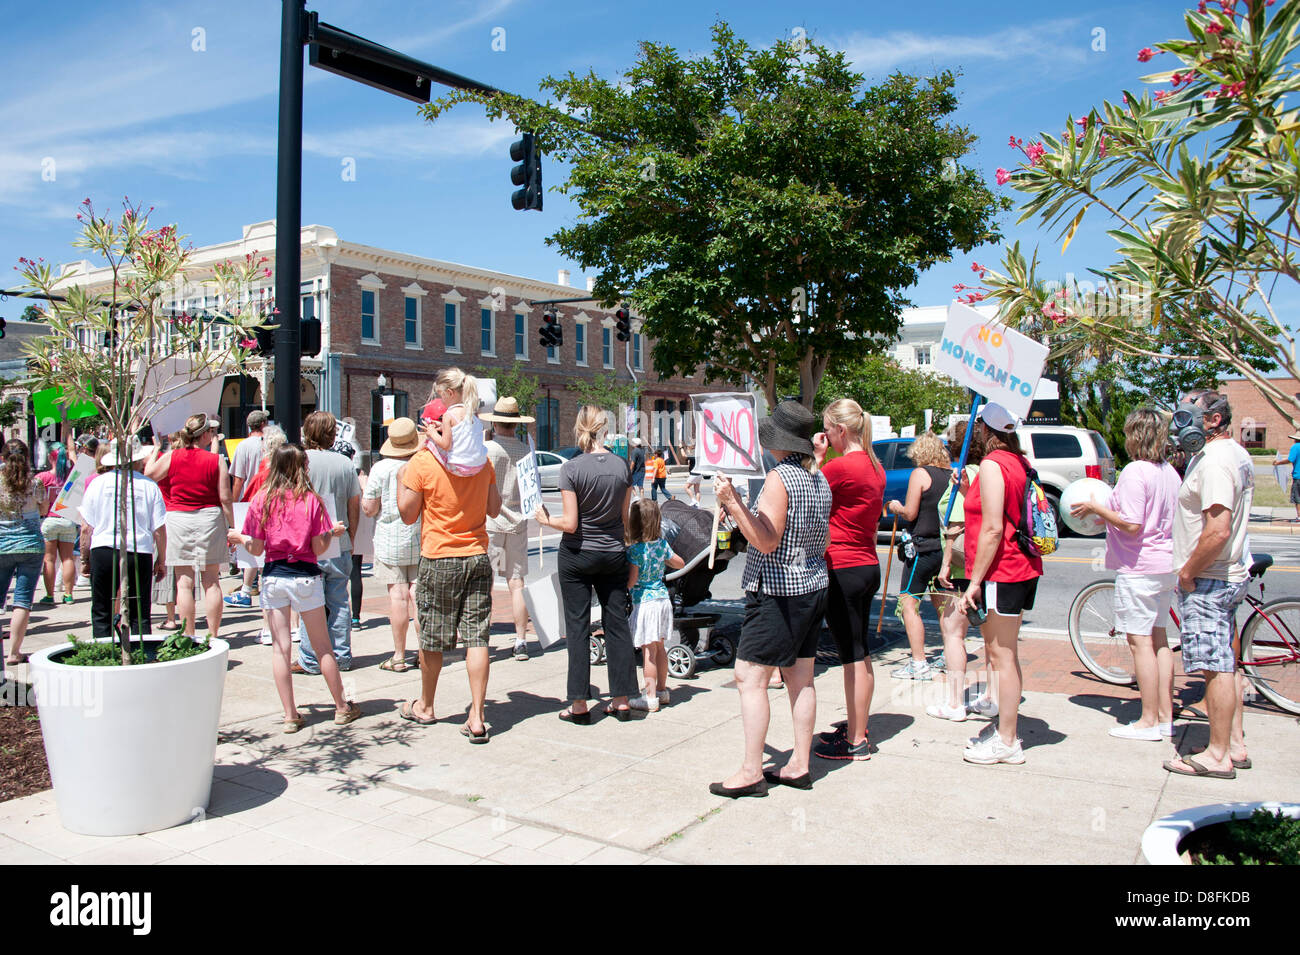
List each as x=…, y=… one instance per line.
x=309, y=337
x=551, y=333
x=622, y=322
x=265, y=336
x=2, y=327
x=527, y=174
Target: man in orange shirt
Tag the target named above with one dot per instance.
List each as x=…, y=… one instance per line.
x=453, y=589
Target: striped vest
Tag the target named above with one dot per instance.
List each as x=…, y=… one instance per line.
x=798, y=565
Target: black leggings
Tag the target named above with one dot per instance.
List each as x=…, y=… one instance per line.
x=848, y=608
x=105, y=573
x=580, y=571
x=355, y=581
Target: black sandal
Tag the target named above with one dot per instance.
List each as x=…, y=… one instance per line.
x=582, y=719
x=622, y=714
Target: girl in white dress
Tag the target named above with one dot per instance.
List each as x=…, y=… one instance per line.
x=457, y=440
x=652, y=609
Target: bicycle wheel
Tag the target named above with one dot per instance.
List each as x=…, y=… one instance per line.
x=1270, y=653
x=1098, y=645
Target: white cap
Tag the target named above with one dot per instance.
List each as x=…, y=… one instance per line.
x=998, y=418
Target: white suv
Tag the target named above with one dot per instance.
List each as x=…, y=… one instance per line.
x=1062, y=455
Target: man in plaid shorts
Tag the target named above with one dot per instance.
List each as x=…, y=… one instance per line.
x=453, y=591
x=1210, y=554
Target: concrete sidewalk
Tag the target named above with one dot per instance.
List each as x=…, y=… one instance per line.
x=387, y=791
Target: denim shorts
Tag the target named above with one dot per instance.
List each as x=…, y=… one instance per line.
x=23, y=570
x=1206, y=625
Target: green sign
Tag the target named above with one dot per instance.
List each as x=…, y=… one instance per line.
x=47, y=406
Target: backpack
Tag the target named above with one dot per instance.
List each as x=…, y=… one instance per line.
x=1036, y=530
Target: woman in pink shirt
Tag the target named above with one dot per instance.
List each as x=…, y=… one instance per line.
x=1140, y=549
x=287, y=521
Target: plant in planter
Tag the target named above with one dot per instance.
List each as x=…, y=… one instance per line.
x=130, y=724
x=1263, y=838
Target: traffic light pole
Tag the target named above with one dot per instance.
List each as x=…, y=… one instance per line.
x=288, y=218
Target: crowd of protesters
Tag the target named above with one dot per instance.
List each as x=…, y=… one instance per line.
x=448, y=521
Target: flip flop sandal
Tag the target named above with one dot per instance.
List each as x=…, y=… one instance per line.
x=14, y=661
x=293, y=726
x=1199, y=770
x=473, y=737
x=400, y=666
x=407, y=712
x=1241, y=763
x=169, y=626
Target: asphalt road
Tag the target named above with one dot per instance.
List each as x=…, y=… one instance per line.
x=1077, y=563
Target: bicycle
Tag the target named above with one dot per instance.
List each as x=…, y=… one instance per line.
x=1270, y=638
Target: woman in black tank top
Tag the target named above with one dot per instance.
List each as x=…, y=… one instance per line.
x=924, y=488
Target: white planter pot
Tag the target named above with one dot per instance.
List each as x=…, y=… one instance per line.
x=130, y=748
x=1161, y=838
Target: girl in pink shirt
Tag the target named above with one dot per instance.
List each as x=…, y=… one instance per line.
x=1139, y=547
x=287, y=521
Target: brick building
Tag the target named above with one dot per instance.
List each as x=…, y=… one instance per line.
x=404, y=317
x=1257, y=424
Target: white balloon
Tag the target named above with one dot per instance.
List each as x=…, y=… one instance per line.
x=1084, y=489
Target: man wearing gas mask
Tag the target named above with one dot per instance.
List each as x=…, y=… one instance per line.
x=1210, y=555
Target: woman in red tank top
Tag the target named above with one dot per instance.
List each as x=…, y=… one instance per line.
x=196, y=489
x=1003, y=579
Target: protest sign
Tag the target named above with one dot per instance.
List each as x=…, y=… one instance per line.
x=67, y=504
x=335, y=549
x=530, y=482
x=726, y=426
x=990, y=359
x=390, y=408
x=881, y=427
x=907, y=431
x=178, y=389
x=48, y=407
x=364, y=545
x=231, y=444
x=243, y=558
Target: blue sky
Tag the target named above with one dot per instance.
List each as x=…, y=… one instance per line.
x=117, y=96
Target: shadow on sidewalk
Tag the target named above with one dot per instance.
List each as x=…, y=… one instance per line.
x=1035, y=732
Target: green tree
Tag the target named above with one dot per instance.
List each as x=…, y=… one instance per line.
x=605, y=391
x=1198, y=186
x=511, y=382
x=32, y=314
x=760, y=208
x=883, y=387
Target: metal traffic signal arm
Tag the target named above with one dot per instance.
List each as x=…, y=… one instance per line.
x=356, y=58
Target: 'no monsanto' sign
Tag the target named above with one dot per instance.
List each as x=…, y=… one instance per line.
x=990, y=359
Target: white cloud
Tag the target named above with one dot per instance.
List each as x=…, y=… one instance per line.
x=1054, y=40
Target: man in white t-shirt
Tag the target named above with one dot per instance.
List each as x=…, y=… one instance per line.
x=1210, y=557
x=244, y=464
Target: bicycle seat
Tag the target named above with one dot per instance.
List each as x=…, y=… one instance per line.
x=1262, y=563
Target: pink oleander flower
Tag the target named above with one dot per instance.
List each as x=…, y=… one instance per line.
x=973, y=297
x=1146, y=53
x=1035, y=152
x=248, y=343
x=1235, y=89
x=1082, y=121
x=1003, y=176
x=1162, y=95
x=976, y=267
x=959, y=287
x=1101, y=150
x=268, y=272
x=1214, y=28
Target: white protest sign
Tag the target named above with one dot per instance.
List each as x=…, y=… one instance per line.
x=881, y=427
x=530, y=482
x=726, y=428
x=67, y=504
x=346, y=432
x=179, y=390
x=990, y=359
x=487, y=397
x=242, y=557
x=390, y=408
x=907, y=431
x=334, y=549
x=364, y=545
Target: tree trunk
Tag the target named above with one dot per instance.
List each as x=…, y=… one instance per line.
x=811, y=370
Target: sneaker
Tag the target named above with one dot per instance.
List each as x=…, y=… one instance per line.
x=356, y=621
x=1132, y=731
x=841, y=731
x=936, y=663
x=983, y=706
x=239, y=599
x=521, y=650
x=844, y=750
x=264, y=638
x=993, y=750
x=46, y=601
x=944, y=712
x=913, y=671
x=1166, y=729
x=648, y=704
x=664, y=697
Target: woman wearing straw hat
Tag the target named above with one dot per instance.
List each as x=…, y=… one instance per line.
x=785, y=581
x=196, y=486
x=397, y=544
x=508, y=531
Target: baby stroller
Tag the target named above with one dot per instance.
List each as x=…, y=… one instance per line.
x=687, y=530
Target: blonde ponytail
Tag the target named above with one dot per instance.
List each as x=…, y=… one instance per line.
x=453, y=379
x=849, y=415
x=591, y=423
